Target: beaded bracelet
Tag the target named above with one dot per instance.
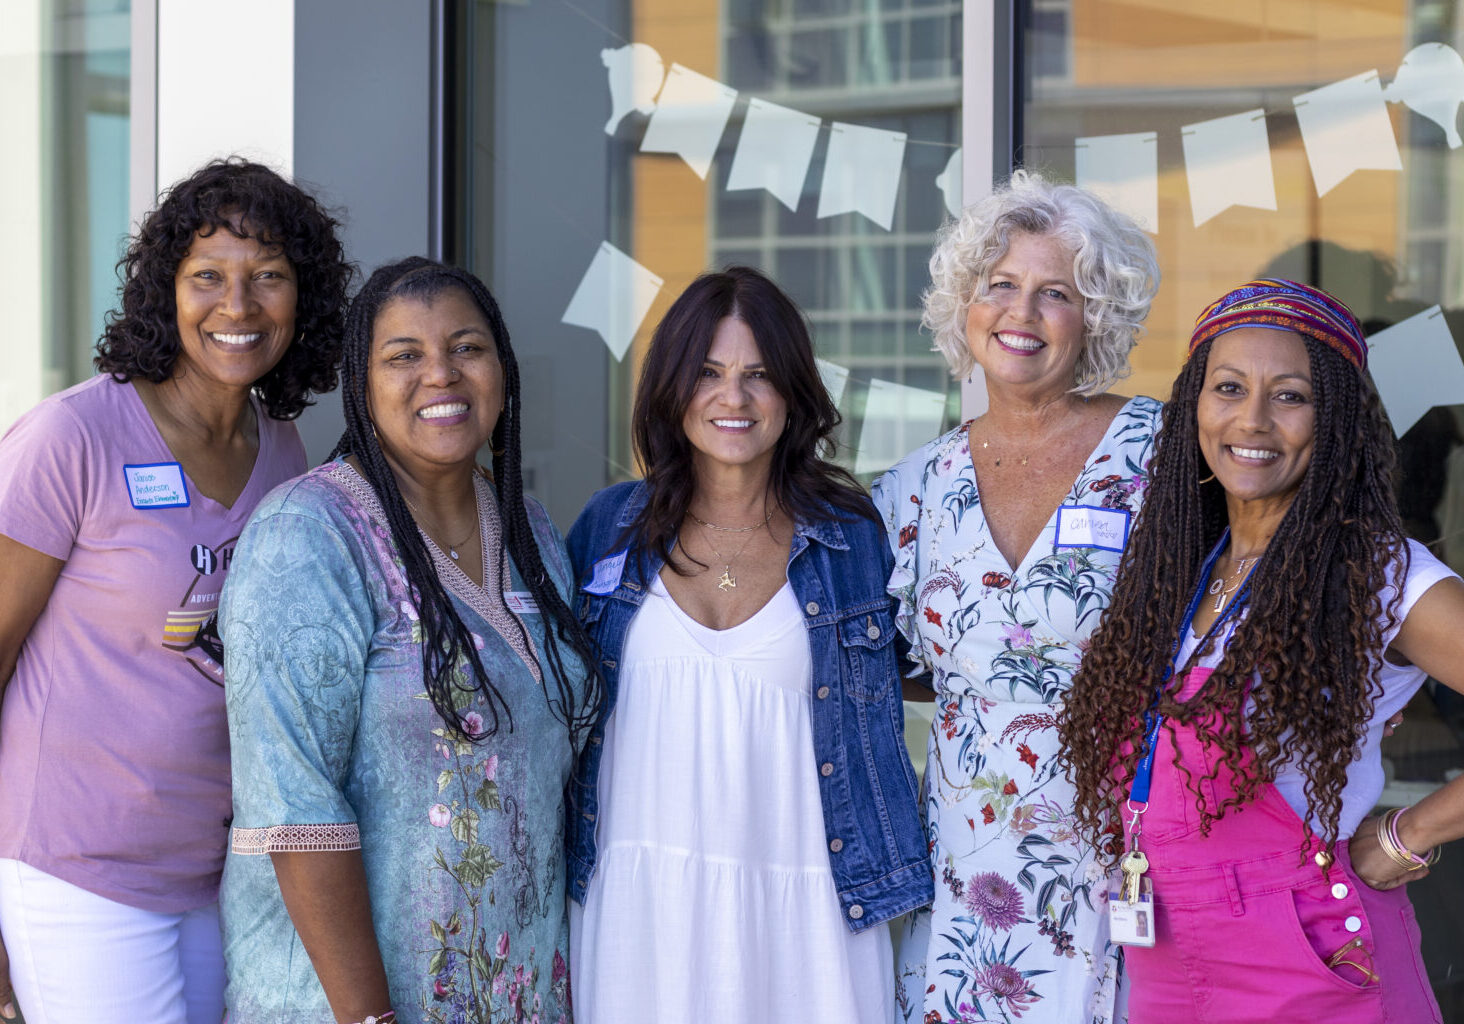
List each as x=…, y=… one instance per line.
x=389, y=1017
x=1393, y=846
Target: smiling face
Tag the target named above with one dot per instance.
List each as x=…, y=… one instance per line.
x=736, y=415
x=434, y=385
x=1256, y=418
x=1027, y=330
x=235, y=300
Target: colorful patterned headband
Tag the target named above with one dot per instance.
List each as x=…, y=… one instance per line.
x=1284, y=306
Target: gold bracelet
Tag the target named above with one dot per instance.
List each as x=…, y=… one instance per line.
x=1394, y=848
x=1387, y=844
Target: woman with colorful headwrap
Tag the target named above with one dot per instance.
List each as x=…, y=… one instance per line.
x=1269, y=617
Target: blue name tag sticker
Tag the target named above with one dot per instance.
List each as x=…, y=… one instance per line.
x=1087, y=526
x=156, y=485
x=605, y=576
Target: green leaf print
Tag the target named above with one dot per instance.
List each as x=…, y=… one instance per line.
x=477, y=865
x=487, y=796
x=465, y=826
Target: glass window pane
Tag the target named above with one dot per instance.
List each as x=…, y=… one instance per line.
x=1385, y=241
x=929, y=48
x=549, y=189
x=881, y=47
x=818, y=58
x=67, y=73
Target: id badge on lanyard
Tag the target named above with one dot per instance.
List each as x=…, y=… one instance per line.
x=1130, y=893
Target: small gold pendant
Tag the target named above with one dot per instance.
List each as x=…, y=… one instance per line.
x=728, y=581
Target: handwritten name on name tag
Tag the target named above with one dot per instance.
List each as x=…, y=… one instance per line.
x=156, y=485
x=606, y=575
x=1087, y=526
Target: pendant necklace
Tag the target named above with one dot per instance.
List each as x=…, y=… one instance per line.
x=987, y=444
x=727, y=581
x=1224, y=586
x=452, y=549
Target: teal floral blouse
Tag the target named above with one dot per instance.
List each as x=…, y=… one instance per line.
x=335, y=746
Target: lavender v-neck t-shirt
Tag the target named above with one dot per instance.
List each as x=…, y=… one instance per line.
x=114, y=757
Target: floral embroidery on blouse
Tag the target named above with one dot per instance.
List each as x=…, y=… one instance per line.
x=463, y=837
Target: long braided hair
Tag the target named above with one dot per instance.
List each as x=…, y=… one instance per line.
x=447, y=642
x=1297, y=679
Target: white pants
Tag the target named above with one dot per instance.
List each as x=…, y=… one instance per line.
x=78, y=958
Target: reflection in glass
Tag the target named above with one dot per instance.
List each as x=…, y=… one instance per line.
x=1384, y=241
x=84, y=171
x=547, y=190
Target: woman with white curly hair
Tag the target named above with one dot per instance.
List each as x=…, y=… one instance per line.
x=1007, y=534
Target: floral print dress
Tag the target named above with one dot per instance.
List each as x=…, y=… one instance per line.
x=1018, y=928
x=335, y=747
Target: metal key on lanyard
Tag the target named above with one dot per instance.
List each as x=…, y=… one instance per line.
x=1133, y=866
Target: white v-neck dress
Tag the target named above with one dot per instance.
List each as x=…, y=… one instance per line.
x=712, y=898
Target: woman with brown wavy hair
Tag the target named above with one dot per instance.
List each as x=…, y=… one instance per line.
x=1269, y=618
x=743, y=821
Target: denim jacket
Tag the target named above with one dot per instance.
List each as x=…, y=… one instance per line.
x=838, y=571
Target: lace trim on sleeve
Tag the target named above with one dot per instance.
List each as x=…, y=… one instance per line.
x=295, y=839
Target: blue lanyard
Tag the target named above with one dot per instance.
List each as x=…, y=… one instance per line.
x=1144, y=774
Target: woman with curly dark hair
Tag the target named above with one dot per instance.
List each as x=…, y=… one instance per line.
x=120, y=502
x=1223, y=729
x=744, y=819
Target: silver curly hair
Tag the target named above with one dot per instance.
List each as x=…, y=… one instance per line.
x=1114, y=266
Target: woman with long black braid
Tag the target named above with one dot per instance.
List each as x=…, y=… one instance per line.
x=407, y=691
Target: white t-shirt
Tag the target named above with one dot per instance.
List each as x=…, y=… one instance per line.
x=1400, y=683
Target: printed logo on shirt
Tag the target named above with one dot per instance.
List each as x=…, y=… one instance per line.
x=181, y=628
x=156, y=485
x=189, y=628
x=202, y=558
x=521, y=602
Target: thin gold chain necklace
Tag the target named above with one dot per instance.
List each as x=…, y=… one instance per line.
x=727, y=581
x=987, y=444
x=731, y=529
x=452, y=549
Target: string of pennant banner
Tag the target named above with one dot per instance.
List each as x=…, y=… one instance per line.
x=1344, y=126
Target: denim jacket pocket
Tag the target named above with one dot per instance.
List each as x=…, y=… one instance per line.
x=869, y=663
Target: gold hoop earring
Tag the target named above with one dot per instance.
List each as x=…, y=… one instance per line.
x=1205, y=480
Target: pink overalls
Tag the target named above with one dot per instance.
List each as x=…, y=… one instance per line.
x=1246, y=925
